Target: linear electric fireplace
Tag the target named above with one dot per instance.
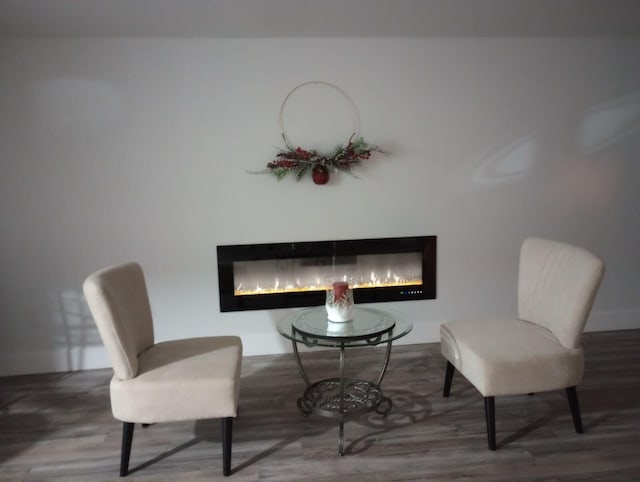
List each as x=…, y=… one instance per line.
x=287, y=275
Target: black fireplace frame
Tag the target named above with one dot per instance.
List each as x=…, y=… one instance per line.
x=228, y=254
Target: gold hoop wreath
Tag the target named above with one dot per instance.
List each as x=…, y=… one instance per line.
x=298, y=161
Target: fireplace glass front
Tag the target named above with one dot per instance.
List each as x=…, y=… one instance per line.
x=283, y=275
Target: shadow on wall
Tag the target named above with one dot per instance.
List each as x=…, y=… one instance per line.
x=56, y=334
x=75, y=332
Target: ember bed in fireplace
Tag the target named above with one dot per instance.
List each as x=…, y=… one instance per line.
x=286, y=275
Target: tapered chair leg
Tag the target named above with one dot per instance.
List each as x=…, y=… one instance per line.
x=490, y=415
x=127, y=437
x=572, y=395
x=448, y=378
x=227, y=432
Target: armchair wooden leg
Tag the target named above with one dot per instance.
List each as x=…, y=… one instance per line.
x=572, y=395
x=127, y=437
x=490, y=415
x=448, y=378
x=227, y=432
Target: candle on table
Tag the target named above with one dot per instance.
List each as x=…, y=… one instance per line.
x=340, y=290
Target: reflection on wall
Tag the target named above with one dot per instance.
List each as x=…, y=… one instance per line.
x=508, y=163
x=609, y=123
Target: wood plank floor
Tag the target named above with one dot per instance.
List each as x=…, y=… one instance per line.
x=58, y=427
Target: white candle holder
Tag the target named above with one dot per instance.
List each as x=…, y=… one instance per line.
x=339, y=302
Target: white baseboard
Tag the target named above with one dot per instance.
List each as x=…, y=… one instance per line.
x=92, y=357
x=613, y=320
x=55, y=360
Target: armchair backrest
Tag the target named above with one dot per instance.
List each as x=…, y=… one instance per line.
x=118, y=300
x=556, y=287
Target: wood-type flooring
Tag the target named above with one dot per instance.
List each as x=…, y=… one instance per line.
x=58, y=427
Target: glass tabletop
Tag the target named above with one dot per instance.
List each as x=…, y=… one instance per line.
x=369, y=326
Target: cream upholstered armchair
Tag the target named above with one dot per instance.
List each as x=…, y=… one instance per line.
x=540, y=350
x=189, y=379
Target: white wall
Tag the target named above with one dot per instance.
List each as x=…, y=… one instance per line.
x=138, y=149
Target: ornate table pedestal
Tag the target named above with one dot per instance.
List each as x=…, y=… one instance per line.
x=341, y=396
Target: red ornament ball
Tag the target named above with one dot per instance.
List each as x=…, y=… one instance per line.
x=320, y=175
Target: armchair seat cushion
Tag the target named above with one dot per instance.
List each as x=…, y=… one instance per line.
x=189, y=379
x=510, y=356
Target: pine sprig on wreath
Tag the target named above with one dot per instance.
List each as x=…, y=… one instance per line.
x=298, y=161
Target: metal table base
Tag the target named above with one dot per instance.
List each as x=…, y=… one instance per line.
x=341, y=396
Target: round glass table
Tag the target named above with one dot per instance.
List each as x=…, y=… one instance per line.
x=341, y=396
